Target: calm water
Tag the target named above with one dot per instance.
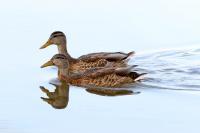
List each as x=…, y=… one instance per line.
x=156, y=108
x=164, y=34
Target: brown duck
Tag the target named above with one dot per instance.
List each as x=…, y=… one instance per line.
x=96, y=77
x=93, y=60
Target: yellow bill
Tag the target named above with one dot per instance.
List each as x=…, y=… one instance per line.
x=46, y=44
x=49, y=63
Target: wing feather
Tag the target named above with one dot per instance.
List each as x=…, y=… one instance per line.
x=109, y=56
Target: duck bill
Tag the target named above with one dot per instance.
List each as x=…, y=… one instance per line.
x=49, y=63
x=46, y=44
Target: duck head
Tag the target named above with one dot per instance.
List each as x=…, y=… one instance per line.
x=57, y=38
x=58, y=60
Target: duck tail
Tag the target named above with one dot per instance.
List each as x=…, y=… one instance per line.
x=125, y=70
x=130, y=54
x=136, y=76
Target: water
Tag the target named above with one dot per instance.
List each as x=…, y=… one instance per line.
x=172, y=69
x=164, y=34
x=168, y=100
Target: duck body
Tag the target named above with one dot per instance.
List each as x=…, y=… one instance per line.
x=103, y=77
x=82, y=66
x=98, y=60
x=94, y=77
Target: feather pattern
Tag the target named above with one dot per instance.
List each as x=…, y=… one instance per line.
x=103, y=77
x=92, y=60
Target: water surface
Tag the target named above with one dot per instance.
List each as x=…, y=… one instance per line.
x=168, y=98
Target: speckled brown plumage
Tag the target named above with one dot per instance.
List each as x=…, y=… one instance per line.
x=81, y=66
x=103, y=77
x=85, y=62
x=94, y=77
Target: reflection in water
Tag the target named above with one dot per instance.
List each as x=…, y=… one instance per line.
x=110, y=92
x=60, y=97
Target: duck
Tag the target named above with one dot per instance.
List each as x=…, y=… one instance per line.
x=92, y=60
x=113, y=77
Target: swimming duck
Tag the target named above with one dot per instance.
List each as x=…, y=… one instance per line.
x=101, y=59
x=96, y=77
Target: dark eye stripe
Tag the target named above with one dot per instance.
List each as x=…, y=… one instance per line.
x=59, y=56
x=56, y=32
x=53, y=36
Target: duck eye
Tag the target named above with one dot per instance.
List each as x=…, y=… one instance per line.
x=60, y=58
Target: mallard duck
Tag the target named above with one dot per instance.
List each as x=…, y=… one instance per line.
x=96, y=77
x=88, y=61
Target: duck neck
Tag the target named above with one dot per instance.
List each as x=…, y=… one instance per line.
x=62, y=49
x=64, y=72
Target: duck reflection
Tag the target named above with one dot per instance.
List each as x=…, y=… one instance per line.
x=59, y=98
x=110, y=92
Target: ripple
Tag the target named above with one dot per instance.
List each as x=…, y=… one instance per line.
x=174, y=69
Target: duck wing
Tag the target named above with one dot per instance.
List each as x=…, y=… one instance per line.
x=109, y=56
x=93, y=73
x=99, y=72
